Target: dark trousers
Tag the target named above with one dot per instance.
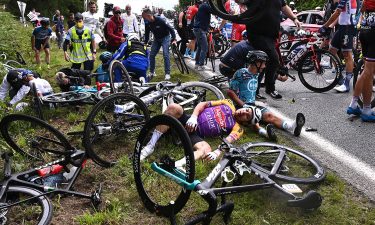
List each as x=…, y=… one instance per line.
x=267, y=44
x=87, y=65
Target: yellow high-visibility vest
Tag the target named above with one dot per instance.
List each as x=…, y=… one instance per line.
x=81, y=51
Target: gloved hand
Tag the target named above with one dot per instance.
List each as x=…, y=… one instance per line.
x=213, y=155
x=191, y=124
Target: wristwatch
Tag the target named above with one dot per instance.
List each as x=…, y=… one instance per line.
x=94, y=52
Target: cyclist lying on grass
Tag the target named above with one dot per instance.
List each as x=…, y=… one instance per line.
x=242, y=90
x=209, y=119
x=64, y=82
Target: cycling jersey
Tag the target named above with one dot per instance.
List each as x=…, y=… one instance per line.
x=237, y=30
x=245, y=85
x=42, y=33
x=348, y=11
x=218, y=117
x=190, y=14
x=42, y=86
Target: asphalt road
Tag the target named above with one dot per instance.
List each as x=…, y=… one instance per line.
x=341, y=143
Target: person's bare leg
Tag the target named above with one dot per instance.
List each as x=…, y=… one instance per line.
x=48, y=56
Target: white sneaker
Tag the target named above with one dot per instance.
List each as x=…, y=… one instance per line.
x=151, y=75
x=342, y=88
x=146, y=151
x=142, y=80
x=167, y=77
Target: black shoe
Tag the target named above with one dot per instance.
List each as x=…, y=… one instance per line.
x=260, y=97
x=300, y=120
x=274, y=94
x=271, y=132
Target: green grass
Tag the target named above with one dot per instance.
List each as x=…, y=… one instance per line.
x=342, y=204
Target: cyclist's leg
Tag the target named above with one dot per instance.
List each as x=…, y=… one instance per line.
x=292, y=126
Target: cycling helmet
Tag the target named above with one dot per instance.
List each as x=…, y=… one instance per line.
x=44, y=22
x=25, y=73
x=133, y=37
x=256, y=56
x=244, y=34
x=102, y=45
x=291, y=3
x=78, y=16
x=105, y=57
x=13, y=76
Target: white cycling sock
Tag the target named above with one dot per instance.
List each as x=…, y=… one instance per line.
x=289, y=125
x=262, y=132
x=180, y=163
x=155, y=137
x=367, y=110
x=354, y=102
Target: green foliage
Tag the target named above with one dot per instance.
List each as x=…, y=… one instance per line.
x=306, y=5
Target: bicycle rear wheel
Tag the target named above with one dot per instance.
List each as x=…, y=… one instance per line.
x=295, y=166
x=37, y=102
x=157, y=191
x=357, y=73
x=112, y=126
x=33, y=137
x=326, y=73
x=36, y=211
x=119, y=78
x=67, y=97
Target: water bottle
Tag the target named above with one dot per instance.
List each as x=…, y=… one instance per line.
x=49, y=170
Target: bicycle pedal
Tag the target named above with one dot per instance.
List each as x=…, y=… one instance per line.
x=96, y=197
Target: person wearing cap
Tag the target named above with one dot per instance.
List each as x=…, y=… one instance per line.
x=16, y=84
x=114, y=32
x=130, y=22
x=40, y=40
x=91, y=20
x=162, y=38
x=82, y=41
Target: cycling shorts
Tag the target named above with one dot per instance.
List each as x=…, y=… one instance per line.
x=367, y=37
x=237, y=30
x=343, y=38
x=194, y=136
x=38, y=44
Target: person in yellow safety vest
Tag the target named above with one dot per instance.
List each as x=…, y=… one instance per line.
x=82, y=45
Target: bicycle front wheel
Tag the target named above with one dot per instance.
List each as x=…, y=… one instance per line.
x=33, y=137
x=112, y=127
x=156, y=190
x=295, y=166
x=119, y=78
x=326, y=72
x=36, y=211
x=67, y=97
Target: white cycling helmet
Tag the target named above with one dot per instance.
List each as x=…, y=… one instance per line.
x=133, y=37
x=291, y=3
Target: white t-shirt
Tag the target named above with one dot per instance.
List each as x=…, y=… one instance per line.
x=91, y=21
x=42, y=86
x=130, y=23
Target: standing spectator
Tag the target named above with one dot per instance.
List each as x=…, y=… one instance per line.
x=40, y=39
x=200, y=29
x=33, y=15
x=162, y=31
x=58, y=21
x=82, y=41
x=114, y=30
x=91, y=20
x=263, y=33
x=71, y=22
x=182, y=30
x=130, y=22
x=190, y=15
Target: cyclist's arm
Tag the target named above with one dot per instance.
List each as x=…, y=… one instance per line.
x=336, y=14
x=5, y=86
x=22, y=92
x=232, y=95
x=200, y=107
x=235, y=134
x=120, y=53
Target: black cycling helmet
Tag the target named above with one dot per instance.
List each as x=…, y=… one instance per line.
x=254, y=56
x=78, y=16
x=44, y=22
x=102, y=45
x=14, y=76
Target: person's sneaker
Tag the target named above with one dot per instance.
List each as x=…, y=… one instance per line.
x=186, y=56
x=151, y=75
x=260, y=97
x=202, y=68
x=300, y=121
x=274, y=94
x=142, y=80
x=167, y=77
x=368, y=118
x=351, y=111
x=342, y=88
x=271, y=132
x=146, y=151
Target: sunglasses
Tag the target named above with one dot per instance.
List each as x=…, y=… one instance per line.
x=118, y=12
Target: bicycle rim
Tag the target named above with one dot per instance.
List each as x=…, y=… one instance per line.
x=326, y=73
x=109, y=134
x=295, y=167
x=36, y=211
x=37, y=102
x=34, y=138
x=157, y=191
x=119, y=78
x=67, y=97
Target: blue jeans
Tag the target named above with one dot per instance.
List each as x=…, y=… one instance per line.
x=202, y=46
x=156, y=44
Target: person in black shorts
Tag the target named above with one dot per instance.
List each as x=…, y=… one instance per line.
x=40, y=40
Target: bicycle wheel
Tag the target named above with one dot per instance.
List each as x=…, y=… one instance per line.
x=36, y=211
x=112, y=126
x=357, y=72
x=177, y=58
x=105, y=92
x=14, y=64
x=20, y=58
x=324, y=77
x=37, y=102
x=215, y=79
x=295, y=166
x=155, y=190
x=33, y=137
x=119, y=78
x=67, y=97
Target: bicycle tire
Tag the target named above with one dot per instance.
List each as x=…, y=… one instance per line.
x=127, y=85
x=66, y=97
x=17, y=215
x=216, y=91
x=16, y=128
x=302, y=163
x=14, y=64
x=215, y=80
x=120, y=127
x=156, y=193
x=177, y=59
x=37, y=102
x=357, y=72
x=319, y=70
x=20, y=58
